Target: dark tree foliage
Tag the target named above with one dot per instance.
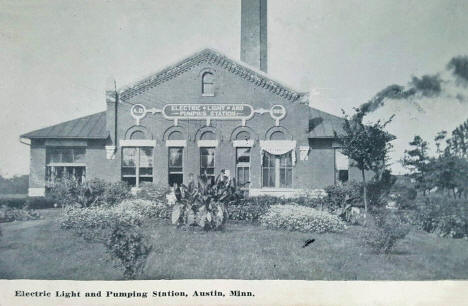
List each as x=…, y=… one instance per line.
x=416, y=160
x=14, y=185
x=367, y=145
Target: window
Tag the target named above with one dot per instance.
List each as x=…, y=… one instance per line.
x=176, y=173
x=208, y=84
x=277, y=170
x=243, y=166
x=207, y=162
x=65, y=162
x=137, y=165
x=341, y=167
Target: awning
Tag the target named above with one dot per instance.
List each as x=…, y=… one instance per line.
x=279, y=147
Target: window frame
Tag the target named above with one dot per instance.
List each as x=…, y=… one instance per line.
x=243, y=165
x=276, y=169
x=138, y=176
x=213, y=175
x=169, y=172
x=206, y=93
x=51, y=167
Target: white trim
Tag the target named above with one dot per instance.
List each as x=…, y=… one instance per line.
x=110, y=152
x=277, y=147
x=304, y=152
x=36, y=192
x=276, y=192
x=66, y=165
x=137, y=143
x=207, y=143
x=176, y=143
x=243, y=143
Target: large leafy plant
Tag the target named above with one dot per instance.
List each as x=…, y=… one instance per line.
x=203, y=203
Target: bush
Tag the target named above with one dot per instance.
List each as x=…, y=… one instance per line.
x=8, y=214
x=128, y=245
x=146, y=208
x=152, y=192
x=93, y=223
x=340, y=196
x=39, y=203
x=13, y=202
x=118, y=228
x=383, y=230
x=443, y=216
x=93, y=192
x=299, y=218
x=249, y=211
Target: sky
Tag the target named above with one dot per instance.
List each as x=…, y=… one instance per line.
x=58, y=56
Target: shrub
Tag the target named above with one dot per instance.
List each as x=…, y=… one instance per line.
x=249, y=211
x=146, y=208
x=299, y=218
x=8, y=214
x=93, y=192
x=39, y=203
x=128, y=245
x=13, y=202
x=203, y=203
x=340, y=196
x=152, y=192
x=443, y=216
x=118, y=228
x=378, y=189
x=383, y=230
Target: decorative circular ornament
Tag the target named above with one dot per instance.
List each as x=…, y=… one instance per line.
x=278, y=112
x=138, y=111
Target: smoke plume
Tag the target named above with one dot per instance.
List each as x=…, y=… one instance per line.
x=426, y=86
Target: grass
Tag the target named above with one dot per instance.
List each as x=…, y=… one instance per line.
x=41, y=250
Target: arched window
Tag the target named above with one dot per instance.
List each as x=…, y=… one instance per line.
x=208, y=135
x=208, y=84
x=138, y=135
x=243, y=135
x=277, y=135
x=176, y=135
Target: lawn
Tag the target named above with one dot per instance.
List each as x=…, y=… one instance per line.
x=41, y=250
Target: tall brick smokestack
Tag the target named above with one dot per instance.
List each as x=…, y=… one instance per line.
x=254, y=33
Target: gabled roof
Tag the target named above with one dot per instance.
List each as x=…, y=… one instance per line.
x=88, y=127
x=323, y=125
x=211, y=56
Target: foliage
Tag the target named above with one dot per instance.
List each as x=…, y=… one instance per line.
x=129, y=246
x=28, y=202
x=416, y=160
x=383, y=230
x=379, y=188
x=299, y=218
x=118, y=228
x=367, y=145
x=339, y=196
x=443, y=216
x=14, y=185
x=152, y=192
x=203, y=203
x=404, y=195
x=249, y=211
x=93, y=192
x=8, y=214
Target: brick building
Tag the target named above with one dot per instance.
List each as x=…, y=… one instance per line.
x=201, y=115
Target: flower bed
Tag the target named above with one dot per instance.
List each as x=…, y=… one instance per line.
x=300, y=218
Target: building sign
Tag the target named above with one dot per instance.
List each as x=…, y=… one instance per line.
x=208, y=111
x=139, y=111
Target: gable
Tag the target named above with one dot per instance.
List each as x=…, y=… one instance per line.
x=214, y=58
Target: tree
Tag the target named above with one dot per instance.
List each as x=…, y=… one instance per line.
x=458, y=143
x=416, y=160
x=367, y=145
